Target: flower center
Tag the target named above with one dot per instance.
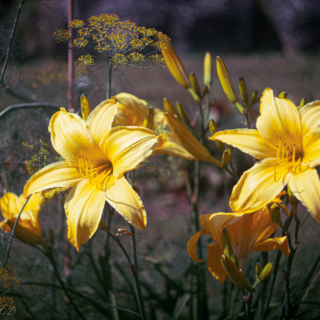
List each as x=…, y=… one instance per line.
x=288, y=159
x=96, y=176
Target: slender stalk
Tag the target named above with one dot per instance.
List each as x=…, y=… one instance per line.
x=109, y=81
x=13, y=231
x=22, y=2
x=137, y=286
x=263, y=262
x=50, y=257
x=70, y=58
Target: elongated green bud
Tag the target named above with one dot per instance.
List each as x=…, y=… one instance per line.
x=257, y=269
x=230, y=150
x=169, y=107
x=235, y=275
x=265, y=273
x=234, y=259
x=205, y=90
x=207, y=72
x=243, y=91
x=226, y=81
x=213, y=129
x=182, y=113
x=254, y=98
x=85, y=107
x=226, y=243
x=275, y=215
x=148, y=121
x=283, y=95
x=292, y=200
x=302, y=102
x=225, y=158
x=194, y=83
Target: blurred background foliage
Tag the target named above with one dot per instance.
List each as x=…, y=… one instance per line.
x=268, y=42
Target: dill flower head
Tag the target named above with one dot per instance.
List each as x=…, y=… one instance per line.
x=122, y=43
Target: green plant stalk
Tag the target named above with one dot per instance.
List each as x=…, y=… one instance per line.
x=50, y=257
x=22, y=2
x=263, y=262
x=109, y=81
x=275, y=268
x=248, y=307
x=13, y=231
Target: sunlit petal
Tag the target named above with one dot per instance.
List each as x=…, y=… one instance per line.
x=213, y=262
x=248, y=141
x=279, y=119
x=127, y=147
x=192, y=245
x=258, y=186
x=34, y=202
x=127, y=202
x=306, y=187
x=101, y=118
x=84, y=205
x=57, y=174
x=10, y=205
x=272, y=244
x=310, y=116
x=71, y=137
x=311, y=147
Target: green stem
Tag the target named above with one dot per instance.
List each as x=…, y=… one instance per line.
x=22, y=2
x=109, y=81
x=13, y=231
x=50, y=257
x=135, y=273
x=248, y=306
x=263, y=262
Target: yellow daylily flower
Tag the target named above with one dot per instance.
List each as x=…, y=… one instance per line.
x=247, y=233
x=288, y=144
x=96, y=158
x=28, y=229
x=132, y=112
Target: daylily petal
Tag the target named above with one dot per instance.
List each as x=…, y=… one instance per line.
x=272, y=244
x=173, y=147
x=192, y=245
x=306, y=187
x=71, y=137
x=131, y=110
x=57, y=174
x=248, y=141
x=84, y=205
x=258, y=186
x=215, y=222
x=10, y=205
x=213, y=262
x=279, y=119
x=127, y=202
x=127, y=147
x=34, y=203
x=101, y=118
x=310, y=116
x=311, y=147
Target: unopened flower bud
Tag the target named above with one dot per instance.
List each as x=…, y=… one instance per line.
x=226, y=243
x=85, y=107
x=213, y=129
x=283, y=95
x=183, y=114
x=257, y=269
x=243, y=91
x=293, y=201
x=235, y=275
x=168, y=106
x=302, y=102
x=226, y=81
x=102, y=226
x=194, y=83
x=275, y=215
x=148, y=121
x=225, y=158
x=254, y=98
x=265, y=273
x=175, y=66
x=234, y=259
x=207, y=74
x=205, y=90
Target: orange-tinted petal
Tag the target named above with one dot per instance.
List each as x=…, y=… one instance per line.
x=192, y=245
x=272, y=244
x=213, y=262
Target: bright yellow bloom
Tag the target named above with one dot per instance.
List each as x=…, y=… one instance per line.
x=28, y=229
x=96, y=159
x=247, y=232
x=132, y=112
x=288, y=144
